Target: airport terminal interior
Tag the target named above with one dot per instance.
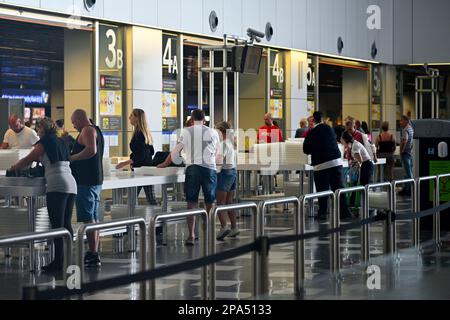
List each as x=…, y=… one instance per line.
x=89, y=87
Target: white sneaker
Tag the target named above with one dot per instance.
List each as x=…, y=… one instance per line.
x=223, y=234
x=234, y=233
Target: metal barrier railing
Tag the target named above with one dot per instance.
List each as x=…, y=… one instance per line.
x=335, y=260
x=299, y=254
x=416, y=222
x=263, y=245
x=389, y=227
x=110, y=225
x=437, y=216
x=262, y=266
x=212, y=242
x=40, y=236
x=395, y=184
x=152, y=246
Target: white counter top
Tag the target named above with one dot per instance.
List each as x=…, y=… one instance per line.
x=122, y=180
x=273, y=169
x=119, y=180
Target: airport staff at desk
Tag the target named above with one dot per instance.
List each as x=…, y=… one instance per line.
x=18, y=136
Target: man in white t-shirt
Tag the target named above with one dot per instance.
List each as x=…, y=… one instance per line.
x=200, y=145
x=19, y=136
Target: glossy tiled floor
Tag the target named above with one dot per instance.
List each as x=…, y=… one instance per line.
x=412, y=276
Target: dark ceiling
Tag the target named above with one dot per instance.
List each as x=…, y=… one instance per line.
x=28, y=54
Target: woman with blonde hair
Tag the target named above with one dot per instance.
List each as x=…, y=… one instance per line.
x=61, y=191
x=141, y=146
x=226, y=180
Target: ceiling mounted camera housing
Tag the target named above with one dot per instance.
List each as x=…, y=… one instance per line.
x=213, y=21
x=269, y=31
x=89, y=4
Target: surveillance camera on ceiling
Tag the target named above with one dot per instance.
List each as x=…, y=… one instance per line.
x=255, y=35
x=89, y=4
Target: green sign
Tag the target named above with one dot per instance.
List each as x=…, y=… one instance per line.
x=437, y=168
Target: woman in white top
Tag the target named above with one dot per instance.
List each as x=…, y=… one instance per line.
x=226, y=180
x=360, y=158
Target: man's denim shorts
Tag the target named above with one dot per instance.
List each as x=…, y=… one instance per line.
x=197, y=177
x=88, y=203
x=226, y=180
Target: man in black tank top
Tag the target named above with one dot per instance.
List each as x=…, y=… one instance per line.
x=87, y=168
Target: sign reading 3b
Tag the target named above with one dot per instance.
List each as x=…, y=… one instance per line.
x=111, y=47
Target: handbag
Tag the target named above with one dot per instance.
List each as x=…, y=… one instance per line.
x=160, y=157
x=36, y=172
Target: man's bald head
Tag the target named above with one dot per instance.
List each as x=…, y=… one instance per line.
x=15, y=123
x=268, y=119
x=80, y=119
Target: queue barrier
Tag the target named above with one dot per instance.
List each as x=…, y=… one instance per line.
x=299, y=255
x=335, y=260
x=263, y=261
x=43, y=236
x=437, y=216
x=177, y=216
x=416, y=222
x=263, y=244
x=212, y=245
x=389, y=228
x=132, y=222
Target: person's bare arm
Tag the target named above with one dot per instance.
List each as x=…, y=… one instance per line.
x=88, y=138
x=124, y=164
x=34, y=155
x=357, y=157
x=175, y=154
x=4, y=146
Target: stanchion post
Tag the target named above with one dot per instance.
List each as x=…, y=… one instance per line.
x=416, y=222
x=212, y=241
x=110, y=225
x=132, y=201
x=335, y=246
x=365, y=229
x=264, y=263
x=262, y=208
x=388, y=224
x=437, y=221
x=174, y=216
x=300, y=263
x=335, y=223
x=395, y=184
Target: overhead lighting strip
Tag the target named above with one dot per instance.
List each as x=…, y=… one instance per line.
x=73, y=22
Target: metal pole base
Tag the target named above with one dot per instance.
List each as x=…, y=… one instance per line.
x=337, y=277
x=438, y=245
x=301, y=292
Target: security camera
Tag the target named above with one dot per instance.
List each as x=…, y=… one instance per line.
x=255, y=35
x=89, y=4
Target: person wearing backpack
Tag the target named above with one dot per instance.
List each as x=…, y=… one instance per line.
x=141, y=146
